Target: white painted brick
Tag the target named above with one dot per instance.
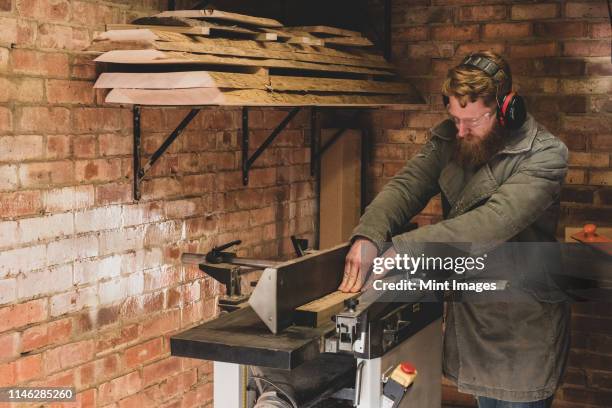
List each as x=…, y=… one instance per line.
x=161, y=233
x=8, y=178
x=22, y=147
x=138, y=214
x=44, y=282
x=112, y=291
x=8, y=290
x=9, y=234
x=135, y=283
x=43, y=228
x=123, y=240
x=92, y=271
x=22, y=259
x=71, y=249
x=74, y=301
x=99, y=219
x=69, y=198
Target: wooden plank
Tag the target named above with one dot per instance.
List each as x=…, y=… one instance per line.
x=340, y=195
x=175, y=29
x=305, y=40
x=247, y=97
x=319, y=312
x=334, y=31
x=349, y=41
x=181, y=80
x=167, y=21
x=223, y=46
x=148, y=56
x=222, y=15
x=288, y=83
x=210, y=46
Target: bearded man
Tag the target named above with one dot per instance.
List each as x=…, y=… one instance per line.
x=499, y=174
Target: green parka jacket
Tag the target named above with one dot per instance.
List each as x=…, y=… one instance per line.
x=510, y=351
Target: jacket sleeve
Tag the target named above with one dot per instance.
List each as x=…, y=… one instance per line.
x=515, y=205
x=404, y=196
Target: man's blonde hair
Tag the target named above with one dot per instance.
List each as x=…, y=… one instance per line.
x=468, y=83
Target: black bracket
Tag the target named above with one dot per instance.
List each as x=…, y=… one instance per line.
x=247, y=162
x=140, y=171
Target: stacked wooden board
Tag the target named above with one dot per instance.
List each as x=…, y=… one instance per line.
x=212, y=57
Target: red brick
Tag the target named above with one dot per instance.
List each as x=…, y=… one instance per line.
x=5, y=5
x=423, y=15
x=587, y=48
x=506, y=30
x=433, y=50
x=601, y=142
x=115, y=338
x=9, y=346
x=8, y=375
x=87, y=120
x=600, y=177
x=158, y=371
x=455, y=33
x=418, y=33
x=142, y=353
x=113, y=193
x=21, y=148
x=26, y=33
x=586, y=10
x=119, y=388
x=40, y=63
x=22, y=314
x=112, y=144
x=536, y=50
x=29, y=368
x=468, y=48
x=589, y=159
x=44, y=120
x=534, y=11
x=62, y=37
x=55, y=333
x=575, y=176
x=600, y=30
x=69, y=92
x=8, y=30
x=69, y=355
x=46, y=174
x=563, y=29
x=98, y=170
x=53, y=10
x=20, y=203
x=482, y=13
x=588, y=123
x=6, y=120
x=587, y=86
x=58, y=147
x=84, y=146
x=599, y=398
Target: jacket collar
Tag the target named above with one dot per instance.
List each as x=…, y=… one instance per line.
x=521, y=140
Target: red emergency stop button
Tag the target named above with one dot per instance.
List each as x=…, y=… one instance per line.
x=407, y=368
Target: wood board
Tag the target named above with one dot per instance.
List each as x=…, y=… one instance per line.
x=288, y=83
x=340, y=187
x=175, y=29
x=320, y=29
x=319, y=312
x=246, y=97
x=160, y=57
x=222, y=15
x=181, y=80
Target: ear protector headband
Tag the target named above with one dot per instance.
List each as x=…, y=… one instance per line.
x=511, y=111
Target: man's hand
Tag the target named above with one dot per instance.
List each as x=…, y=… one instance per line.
x=358, y=261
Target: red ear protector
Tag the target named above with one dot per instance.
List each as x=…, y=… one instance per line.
x=511, y=111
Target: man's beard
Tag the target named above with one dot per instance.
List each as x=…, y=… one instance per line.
x=476, y=153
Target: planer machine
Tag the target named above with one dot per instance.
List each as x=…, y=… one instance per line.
x=297, y=337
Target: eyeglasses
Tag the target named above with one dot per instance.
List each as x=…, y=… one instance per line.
x=471, y=122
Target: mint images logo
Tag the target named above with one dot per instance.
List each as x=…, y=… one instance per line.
x=412, y=264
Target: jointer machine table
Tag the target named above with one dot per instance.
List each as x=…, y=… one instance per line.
x=373, y=352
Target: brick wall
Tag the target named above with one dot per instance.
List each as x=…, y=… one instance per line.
x=91, y=285
x=559, y=52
